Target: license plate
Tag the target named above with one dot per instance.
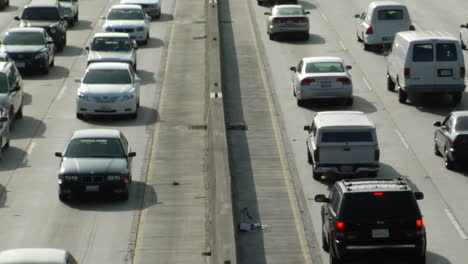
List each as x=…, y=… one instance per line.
x=347, y=169
x=387, y=38
x=445, y=72
x=20, y=64
x=380, y=233
x=325, y=84
x=92, y=188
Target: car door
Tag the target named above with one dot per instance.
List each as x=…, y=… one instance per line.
x=50, y=46
x=297, y=75
x=361, y=26
x=127, y=150
x=136, y=82
x=443, y=137
x=329, y=212
x=14, y=80
x=447, y=66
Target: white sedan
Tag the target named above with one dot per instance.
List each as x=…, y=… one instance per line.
x=322, y=77
x=129, y=19
x=108, y=88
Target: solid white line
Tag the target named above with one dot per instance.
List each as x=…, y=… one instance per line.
x=456, y=224
x=342, y=44
x=62, y=92
x=402, y=138
x=324, y=17
x=366, y=83
x=29, y=151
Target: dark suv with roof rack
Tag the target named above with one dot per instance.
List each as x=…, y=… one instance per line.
x=363, y=217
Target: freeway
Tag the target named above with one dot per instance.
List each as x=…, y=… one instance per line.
x=405, y=131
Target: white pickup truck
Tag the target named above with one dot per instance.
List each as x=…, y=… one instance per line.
x=342, y=143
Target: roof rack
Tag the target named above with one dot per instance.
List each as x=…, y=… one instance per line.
x=349, y=183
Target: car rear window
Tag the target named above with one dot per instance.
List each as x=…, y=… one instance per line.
x=41, y=13
x=446, y=52
x=111, y=44
x=423, y=52
x=462, y=123
x=289, y=11
x=390, y=14
x=318, y=67
x=388, y=205
x=351, y=136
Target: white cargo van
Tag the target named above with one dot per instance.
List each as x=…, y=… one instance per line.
x=426, y=62
x=343, y=143
x=379, y=23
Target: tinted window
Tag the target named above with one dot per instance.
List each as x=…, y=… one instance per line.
x=41, y=13
x=462, y=124
x=289, y=11
x=318, y=67
x=24, y=38
x=3, y=83
x=111, y=44
x=387, y=206
x=95, y=147
x=423, y=52
x=446, y=52
x=125, y=14
x=107, y=76
x=395, y=14
x=357, y=136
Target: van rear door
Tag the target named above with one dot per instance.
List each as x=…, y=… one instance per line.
x=347, y=147
x=391, y=20
x=421, y=67
x=447, y=63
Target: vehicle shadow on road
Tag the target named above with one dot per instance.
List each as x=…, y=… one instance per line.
x=147, y=77
x=81, y=25
x=164, y=18
x=297, y=39
x=141, y=196
x=12, y=159
x=360, y=104
x=28, y=127
x=437, y=104
x=27, y=98
x=55, y=73
x=152, y=43
x=146, y=116
x=70, y=51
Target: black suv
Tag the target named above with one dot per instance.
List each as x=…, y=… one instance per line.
x=362, y=217
x=48, y=14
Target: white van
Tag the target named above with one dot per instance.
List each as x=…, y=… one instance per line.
x=342, y=143
x=36, y=256
x=379, y=23
x=426, y=62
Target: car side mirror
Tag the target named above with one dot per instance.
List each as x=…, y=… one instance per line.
x=306, y=128
x=58, y=154
x=267, y=13
x=463, y=26
x=307, y=12
x=357, y=16
x=3, y=119
x=86, y=48
x=320, y=198
x=437, y=124
x=77, y=80
x=418, y=195
x=17, y=18
x=131, y=154
x=349, y=67
x=293, y=69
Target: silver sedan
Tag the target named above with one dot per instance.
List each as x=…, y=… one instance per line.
x=287, y=19
x=322, y=77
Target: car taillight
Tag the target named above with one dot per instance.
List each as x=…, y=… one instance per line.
x=61, y=177
x=412, y=27
x=407, y=73
x=344, y=80
x=378, y=193
x=419, y=226
x=377, y=154
x=302, y=19
x=339, y=229
x=316, y=155
x=462, y=72
x=458, y=141
x=369, y=31
x=307, y=81
x=278, y=20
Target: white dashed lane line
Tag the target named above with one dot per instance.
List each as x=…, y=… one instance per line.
x=29, y=151
x=402, y=139
x=456, y=224
x=366, y=83
x=61, y=93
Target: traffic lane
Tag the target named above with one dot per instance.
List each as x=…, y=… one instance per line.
x=393, y=160
x=425, y=110
x=7, y=14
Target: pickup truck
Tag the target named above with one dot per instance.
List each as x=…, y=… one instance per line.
x=342, y=143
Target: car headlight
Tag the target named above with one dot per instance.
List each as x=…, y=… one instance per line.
x=140, y=29
x=41, y=55
x=127, y=97
x=71, y=178
x=83, y=96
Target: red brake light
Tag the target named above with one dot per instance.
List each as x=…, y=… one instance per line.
x=307, y=81
x=278, y=20
x=340, y=225
x=412, y=27
x=458, y=141
x=123, y=177
x=419, y=223
x=407, y=73
x=303, y=19
x=378, y=194
x=369, y=31
x=344, y=80
x=316, y=155
x=462, y=72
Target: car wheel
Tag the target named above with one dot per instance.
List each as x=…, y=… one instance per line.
x=75, y=18
x=436, y=150
x=79, y=116
x=46, y=68
x=300, y=103
x=333, y=259
x=358, y=38
x=456, y=97
x=63, y=198
x=271, y=36
x=350, y=101
x=306, y=36
x=325, y=245
x=449, y=164
x=316, y=175
x=309, y=156
x=367, y=46
x=463, y=45
x=52, y=63
x=19, y=114
x=390, y=83
x=71, y=22
x=402, y=95
x=144, y=42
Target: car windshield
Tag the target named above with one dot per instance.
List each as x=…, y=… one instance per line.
x=386, y=205
x=41, y=13
x=320, y=67
x=24, y=38
x=125, y=14
x=95, y=148
x=3, y=83
x=289, y=11
x=111, y=44
x=107, y=76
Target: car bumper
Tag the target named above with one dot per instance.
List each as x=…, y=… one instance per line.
x=138, y=35
x=31, y=64
x=347, y=169
x=284, y=29
x=439, y=88
x=116, y=108
x=107, y=187
x=306, y=93
x=379, y=39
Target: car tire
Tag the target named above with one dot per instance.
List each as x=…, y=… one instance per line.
x=449, y=164
x=306, y=36
x=358, y=38
x=71, y=22
x=402, y=95
x=271, y=36
x=144, y=42
x=390, y=83
x=463, y=45
x=294, y=92
x=134, y=115
x=45, y=71
x=367, y=47
x=456, y=97
x=52, y=63
x=63, y=198
x=316, y=175
x=350, y=101
x=19, y=114
x=79, y=116
x=300, y=102
x=436, y=150
x=75, y=18
x=325, y=245
x=309, y=156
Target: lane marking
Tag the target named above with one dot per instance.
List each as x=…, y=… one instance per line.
x=29, y=151
x=62, y=92
x=402, y=138
x=342, y=44
x=281, y=152
x=324, y=16
x=366, y=83
x=456, y=224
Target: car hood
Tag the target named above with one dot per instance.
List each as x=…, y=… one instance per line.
x=93, y=165
x=124, y=23
x=106, y=89
x=110, y=56
x=22, y=48
x=5, y=100
x=37, y=23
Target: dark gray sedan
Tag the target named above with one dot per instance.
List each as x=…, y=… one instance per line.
x=451, y=138
x=95, y=160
